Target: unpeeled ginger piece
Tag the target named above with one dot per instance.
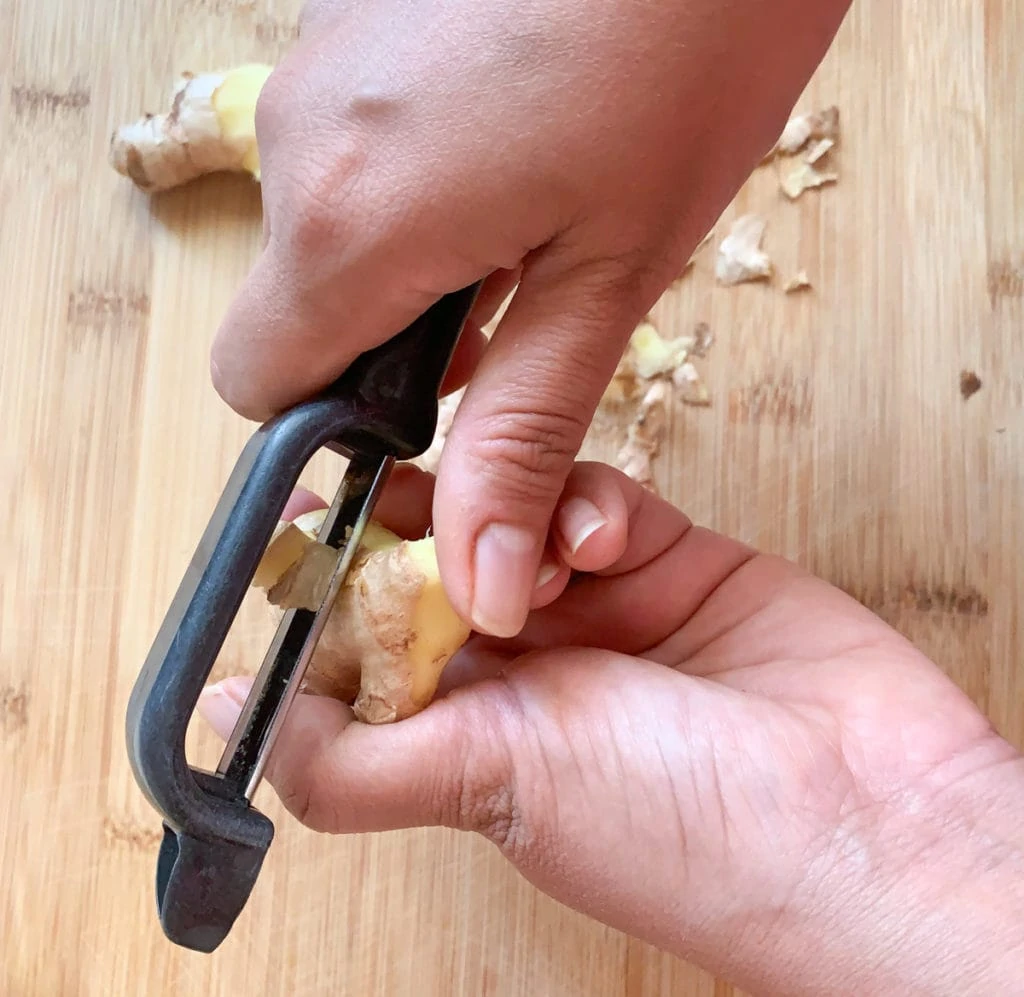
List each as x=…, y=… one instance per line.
x=209, y=127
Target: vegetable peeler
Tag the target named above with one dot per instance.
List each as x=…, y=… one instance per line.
x=381, y=410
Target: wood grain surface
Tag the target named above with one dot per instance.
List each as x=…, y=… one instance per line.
x=837, y=436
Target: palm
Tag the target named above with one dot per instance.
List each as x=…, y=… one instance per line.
x=886, y=711
x=757, y=729
x=761, y=626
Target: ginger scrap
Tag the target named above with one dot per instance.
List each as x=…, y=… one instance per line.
x=391, y=630
x=819, y=150
x=649, y=355
x=653, y=355
x=209, y=128
x=798, y=282
x=801, y=128
x=825, y=124
x=430, y=459
x=740, y=257
x=823, y=130
x=689, y=384
x=805, y=177
x=645, y=435
x=303, y=585
x=794, y=135
x=622, y=387
x=663, y=370
x=702, y=340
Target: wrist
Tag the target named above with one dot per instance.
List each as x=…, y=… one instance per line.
x=924, y=895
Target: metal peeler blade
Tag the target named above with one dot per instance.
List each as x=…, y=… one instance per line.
x=383, y=409
x=247, y=751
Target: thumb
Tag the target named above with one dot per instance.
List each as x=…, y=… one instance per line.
x=516, y=435
x=570, y=762
x=521, y=758
x=440, y=767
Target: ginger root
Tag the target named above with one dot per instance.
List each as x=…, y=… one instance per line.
x=210, y=128
x=391, y=630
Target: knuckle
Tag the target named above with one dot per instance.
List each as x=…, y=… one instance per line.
x=528, y=453
x=319, y=211
x=615, y=285
x=312, y=223
x=630, y=282
x=310, y=173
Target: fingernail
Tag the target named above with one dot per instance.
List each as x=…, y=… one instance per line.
x=546, y=573
x=505, y=574
x=219, y=705
x=578, y=519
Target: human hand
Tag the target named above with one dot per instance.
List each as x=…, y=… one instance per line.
x=410, y=148
x=704, y=747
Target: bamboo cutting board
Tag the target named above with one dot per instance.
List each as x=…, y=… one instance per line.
x=837, y=436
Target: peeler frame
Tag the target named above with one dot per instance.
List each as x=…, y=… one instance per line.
x=382, y=409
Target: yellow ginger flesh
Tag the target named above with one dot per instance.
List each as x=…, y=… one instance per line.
x=391, y=630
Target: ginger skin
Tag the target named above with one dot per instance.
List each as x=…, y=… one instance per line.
x=391, y=630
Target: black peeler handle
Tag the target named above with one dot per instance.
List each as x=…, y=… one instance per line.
x=383, y=406
x=395, y=386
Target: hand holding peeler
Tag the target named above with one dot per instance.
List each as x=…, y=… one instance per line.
x=381, y=410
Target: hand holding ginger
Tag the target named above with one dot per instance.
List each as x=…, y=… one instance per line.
x=704, y=747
